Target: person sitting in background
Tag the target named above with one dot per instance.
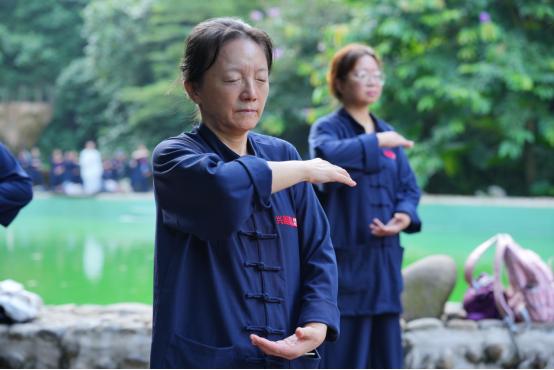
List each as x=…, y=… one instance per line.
x=72, y=168
x=109, y=177
x=16, y=187
x=72, y=184
x=121, y=169
x=57, y=171
x=25, y=160
x=141, y=173
x=36, y=169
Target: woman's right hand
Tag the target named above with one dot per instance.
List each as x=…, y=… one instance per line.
x=392, y=139
x=319, y=171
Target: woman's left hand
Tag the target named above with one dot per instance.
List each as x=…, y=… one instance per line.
x=396, y=224
x=304, y=340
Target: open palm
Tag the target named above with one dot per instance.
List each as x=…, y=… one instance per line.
x=303, y=340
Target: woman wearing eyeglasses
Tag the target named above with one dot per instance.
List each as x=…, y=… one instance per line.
x=365, y=220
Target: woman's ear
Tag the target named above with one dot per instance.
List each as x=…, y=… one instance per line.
x=339, y=87
x=191, y=91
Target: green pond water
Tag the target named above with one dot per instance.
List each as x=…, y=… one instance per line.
x=101, y=250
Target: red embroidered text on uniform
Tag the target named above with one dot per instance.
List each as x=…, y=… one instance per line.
x=286, y=220
x=390, y=154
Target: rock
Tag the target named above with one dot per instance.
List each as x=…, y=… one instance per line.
x=473, y=355
x=86, y=336
x=549, y=327
x=490, y=323
x=453, y=310
x=12, y=361
x=539, y=362
x=21, y=123
x=510, y=361
x=424, y=324
x=427, y=286
x=411, y=360
x=427, y=362
x=493, y=352
x=462, y=324
x=526, y=364
x=446, y=360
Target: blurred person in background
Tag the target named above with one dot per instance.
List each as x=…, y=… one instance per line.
x=140, y=170
x=73, y=184
x=366, y=221
x=57, y=174
x=36, y=169
x=109, y=177
x=72, y=167
x=25, y=160
x=91, y=168
x=120, y=166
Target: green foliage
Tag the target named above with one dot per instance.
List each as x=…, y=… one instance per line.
x=34, y=46
x=79, y=108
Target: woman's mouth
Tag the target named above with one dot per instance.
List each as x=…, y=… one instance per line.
x=247, y=111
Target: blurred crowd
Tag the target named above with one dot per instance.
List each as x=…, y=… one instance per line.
x=86, y=172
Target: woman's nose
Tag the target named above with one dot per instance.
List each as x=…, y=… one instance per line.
x=248, y=91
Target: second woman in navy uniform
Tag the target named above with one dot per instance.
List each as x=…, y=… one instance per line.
x=365, y=220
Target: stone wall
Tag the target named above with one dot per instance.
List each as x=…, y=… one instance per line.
x=118, y=336
x=21, y=123
x=69, y=336
x=432, y=343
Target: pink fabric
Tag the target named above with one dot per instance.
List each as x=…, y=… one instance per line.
x=531, y=280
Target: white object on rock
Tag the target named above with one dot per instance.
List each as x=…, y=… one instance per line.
x=18, y=304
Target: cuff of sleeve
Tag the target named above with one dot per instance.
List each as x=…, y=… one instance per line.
x=415, y=224
x=6, y=218
x=261, y=177
x=323, y=312
x=370, y=149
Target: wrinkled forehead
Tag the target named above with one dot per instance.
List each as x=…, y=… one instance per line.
x=240, y=54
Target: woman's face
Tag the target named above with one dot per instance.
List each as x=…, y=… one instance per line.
x=363, y=84
x=234, y=90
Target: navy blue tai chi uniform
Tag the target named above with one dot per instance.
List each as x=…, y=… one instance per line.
x=233, y=259
x=370, y=280
x=16, y=187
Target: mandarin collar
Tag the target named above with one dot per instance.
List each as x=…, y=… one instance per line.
x=379, y=124
x=220, y=148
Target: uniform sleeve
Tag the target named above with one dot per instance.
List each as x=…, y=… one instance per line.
x=16, y=187
x=358, y=153
x=408, y=195
x=319, y=266
x=198, y=193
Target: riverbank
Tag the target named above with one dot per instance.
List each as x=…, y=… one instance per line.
x=534, y=202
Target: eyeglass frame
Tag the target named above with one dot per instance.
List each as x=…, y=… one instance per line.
x=363, y=76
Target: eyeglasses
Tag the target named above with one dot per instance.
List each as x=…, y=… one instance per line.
x=374, y=78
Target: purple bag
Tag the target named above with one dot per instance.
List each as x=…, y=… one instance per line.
x=530, y=293
x=479, y=300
